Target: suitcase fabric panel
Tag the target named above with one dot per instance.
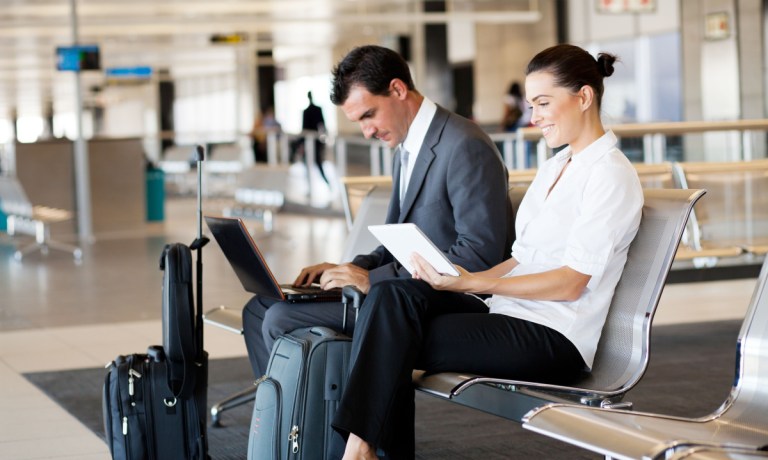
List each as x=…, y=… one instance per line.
x=178, y=314
x=308, y=368
x=264, y=441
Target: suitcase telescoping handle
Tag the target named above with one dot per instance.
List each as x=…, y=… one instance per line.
x=354, y=296
x=197, y=246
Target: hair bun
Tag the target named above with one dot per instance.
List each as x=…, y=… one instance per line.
x=605, y=64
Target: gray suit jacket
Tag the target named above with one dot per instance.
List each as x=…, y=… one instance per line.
x=457, y=196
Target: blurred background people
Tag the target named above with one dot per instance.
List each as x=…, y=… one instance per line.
x=264, y=123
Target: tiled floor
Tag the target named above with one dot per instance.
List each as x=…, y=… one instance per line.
x=55, y=314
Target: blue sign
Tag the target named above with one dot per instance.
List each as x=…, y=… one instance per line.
x=79, y=57
x=138, y=72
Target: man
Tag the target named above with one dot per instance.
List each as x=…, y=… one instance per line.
x=451, y=182
x=312, y=120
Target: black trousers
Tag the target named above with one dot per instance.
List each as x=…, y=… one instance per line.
x=405, y=325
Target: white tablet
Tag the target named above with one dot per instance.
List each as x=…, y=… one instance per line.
x=402, y=240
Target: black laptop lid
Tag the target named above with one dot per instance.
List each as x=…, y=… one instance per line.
x=244, y=256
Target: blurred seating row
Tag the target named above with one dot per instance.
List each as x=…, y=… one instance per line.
x=24, y=218
x=222, y=166
x=730, y=225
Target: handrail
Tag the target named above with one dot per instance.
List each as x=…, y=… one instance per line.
x=513, y=143
x=670, y=128
x=653, y=133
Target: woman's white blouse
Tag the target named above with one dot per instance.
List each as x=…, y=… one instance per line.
x=586, y=223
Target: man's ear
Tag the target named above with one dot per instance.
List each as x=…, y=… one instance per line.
x=398, y=88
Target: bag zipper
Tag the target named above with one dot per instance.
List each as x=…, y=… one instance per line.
x=122, y=410
x=149, y=407
x=298, y=413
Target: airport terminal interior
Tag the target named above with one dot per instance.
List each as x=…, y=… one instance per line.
x=104, y=104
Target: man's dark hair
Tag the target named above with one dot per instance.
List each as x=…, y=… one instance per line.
x=373, y=68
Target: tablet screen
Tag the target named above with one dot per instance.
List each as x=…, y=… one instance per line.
x=402, y=240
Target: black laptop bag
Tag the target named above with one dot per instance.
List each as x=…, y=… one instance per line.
x=154, y=404
x=143, y=419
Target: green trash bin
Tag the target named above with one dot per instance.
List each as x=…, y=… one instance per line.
x=155, y=195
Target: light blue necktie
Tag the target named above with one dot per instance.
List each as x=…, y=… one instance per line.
x=403, y=172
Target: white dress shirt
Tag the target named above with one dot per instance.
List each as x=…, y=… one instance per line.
x=586, y=223
x=415, y=137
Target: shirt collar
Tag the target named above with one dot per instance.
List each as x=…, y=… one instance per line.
x=592, y=152
x=419, y=126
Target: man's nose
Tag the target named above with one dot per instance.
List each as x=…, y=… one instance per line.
x=368, y=130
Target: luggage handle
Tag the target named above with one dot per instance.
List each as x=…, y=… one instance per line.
x=190, y=369
x=197, y=246
x=350, y=294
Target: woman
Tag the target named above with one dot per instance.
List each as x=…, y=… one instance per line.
x=549, y=301
x=514, y=109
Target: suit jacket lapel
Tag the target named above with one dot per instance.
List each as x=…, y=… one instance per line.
x=423, y=162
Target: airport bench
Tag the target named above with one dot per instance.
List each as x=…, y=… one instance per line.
x=737, y=429
x=259, y=194
x=521, y=177
x=733, y=220
x=24, y=218
x=223, y=169
x=622, y=355
x=731, y=224
x=232, y=321
x=656, y=175
x=357, y=188
x=177, y=165
x=623, y=351
x=366, y=200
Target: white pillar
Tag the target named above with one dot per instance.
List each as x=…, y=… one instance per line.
x=82, y=176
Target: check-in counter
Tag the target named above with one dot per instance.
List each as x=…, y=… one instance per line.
x=117, y=183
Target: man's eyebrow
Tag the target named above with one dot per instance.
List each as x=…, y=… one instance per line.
x=367, y=114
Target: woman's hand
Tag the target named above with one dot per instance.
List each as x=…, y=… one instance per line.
x=425, y=272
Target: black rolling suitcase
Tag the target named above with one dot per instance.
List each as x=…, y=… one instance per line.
x=154, y=404
x=297, y=398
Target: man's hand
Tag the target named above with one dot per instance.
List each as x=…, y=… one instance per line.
x=344, y=275
x=311, y=274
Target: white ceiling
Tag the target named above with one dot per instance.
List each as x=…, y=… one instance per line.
x=175, y=34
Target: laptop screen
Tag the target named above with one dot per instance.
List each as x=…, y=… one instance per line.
x=244, y=256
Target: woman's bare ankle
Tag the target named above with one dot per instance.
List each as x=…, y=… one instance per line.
x=357, y=449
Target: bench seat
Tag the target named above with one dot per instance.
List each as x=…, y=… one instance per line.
x=739, y=425
x=624, y=347
x=26, y=219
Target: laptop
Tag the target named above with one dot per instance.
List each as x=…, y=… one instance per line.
x=245, y=258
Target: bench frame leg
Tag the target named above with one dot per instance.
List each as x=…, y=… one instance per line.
x=230, y=402
x=43, y=242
